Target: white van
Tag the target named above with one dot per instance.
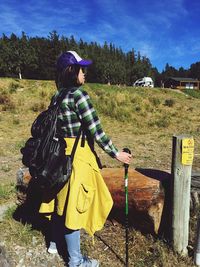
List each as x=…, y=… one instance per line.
x=144, y=82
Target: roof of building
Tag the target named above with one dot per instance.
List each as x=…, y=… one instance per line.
x=181, y=79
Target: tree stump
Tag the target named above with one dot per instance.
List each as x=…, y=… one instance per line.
x=195, y=191
x=145, y=195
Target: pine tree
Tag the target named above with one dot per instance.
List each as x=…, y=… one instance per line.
x=35, y=58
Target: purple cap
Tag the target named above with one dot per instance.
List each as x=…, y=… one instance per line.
x=71, y=58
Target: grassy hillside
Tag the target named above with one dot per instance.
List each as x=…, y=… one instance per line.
x=142, y=119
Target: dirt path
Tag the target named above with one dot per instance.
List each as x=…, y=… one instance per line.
x=4, y=261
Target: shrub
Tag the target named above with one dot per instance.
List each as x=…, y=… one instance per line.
x=43, y=94
x=13, y=87
x=163, y=122
x=190, y=109
x=15, y=121
x=155, y=101
x=20, y=144
x=36, y=107
x=4, y=98
x=169, y=102
x=6, y=102
x=9, y=106
x=138, y=108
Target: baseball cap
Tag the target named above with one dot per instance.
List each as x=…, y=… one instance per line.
x=71, y=58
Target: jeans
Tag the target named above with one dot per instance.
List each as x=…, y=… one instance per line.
x=72, y=238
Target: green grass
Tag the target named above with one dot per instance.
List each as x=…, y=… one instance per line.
x=192, y=93
x=14, y=231
x=7, y=191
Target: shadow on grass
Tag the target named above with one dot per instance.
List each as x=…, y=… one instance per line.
x=28, y=213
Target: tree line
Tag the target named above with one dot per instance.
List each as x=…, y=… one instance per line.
x=35, y=57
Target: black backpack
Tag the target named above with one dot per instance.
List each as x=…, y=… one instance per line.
x=44, y=152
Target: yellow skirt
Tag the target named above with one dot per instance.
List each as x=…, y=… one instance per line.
x=88, y=199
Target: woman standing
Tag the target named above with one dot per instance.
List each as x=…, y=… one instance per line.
x=85, y=201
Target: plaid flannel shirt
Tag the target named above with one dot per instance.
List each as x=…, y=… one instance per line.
x=77, y=101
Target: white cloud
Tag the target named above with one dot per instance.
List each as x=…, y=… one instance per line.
x=9, y=20
x=40, y=17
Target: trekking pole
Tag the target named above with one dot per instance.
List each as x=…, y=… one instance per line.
x=126, y=202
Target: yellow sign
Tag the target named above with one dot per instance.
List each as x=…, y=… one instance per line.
x=187, y=151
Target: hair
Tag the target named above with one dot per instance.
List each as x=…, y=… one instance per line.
x=68, y=77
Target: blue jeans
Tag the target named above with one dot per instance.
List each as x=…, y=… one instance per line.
x=72, y=238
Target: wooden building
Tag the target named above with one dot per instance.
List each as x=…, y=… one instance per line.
x=182, y=83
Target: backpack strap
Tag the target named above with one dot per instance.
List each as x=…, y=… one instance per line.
x=58, y=97
x=76, y=143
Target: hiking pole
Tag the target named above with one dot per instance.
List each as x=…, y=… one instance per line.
x=126, y=202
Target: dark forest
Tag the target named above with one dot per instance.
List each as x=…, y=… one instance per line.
x=35, y=57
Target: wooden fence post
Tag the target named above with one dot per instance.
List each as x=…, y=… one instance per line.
x=182, y=157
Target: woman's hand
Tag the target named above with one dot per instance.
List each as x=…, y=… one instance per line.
x=124, y=157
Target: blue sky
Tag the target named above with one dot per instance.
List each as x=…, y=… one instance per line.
x=166, y=31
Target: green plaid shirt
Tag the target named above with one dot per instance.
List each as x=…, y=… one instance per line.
x=77, y=101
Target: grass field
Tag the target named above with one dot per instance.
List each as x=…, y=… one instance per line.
x=142, y=119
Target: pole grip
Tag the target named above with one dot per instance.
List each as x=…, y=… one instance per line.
x=127, y=150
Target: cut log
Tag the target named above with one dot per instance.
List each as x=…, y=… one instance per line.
x=195, y=182
x=146, y=197
x=195, y=191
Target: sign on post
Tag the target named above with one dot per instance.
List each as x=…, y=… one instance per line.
x=187, y=151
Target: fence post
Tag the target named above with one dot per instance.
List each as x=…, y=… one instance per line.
x=182, y=157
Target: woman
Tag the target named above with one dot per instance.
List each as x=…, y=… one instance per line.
x=84, y=202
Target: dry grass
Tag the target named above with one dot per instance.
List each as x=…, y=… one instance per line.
x=144, y=250
x=142, y=119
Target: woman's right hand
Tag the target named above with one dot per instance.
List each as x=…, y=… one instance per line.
x=124, y=157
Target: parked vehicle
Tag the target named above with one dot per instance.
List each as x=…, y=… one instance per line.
x=144, y=82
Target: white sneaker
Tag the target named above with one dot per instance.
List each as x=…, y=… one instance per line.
x=52, y=248
x=89, y=263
